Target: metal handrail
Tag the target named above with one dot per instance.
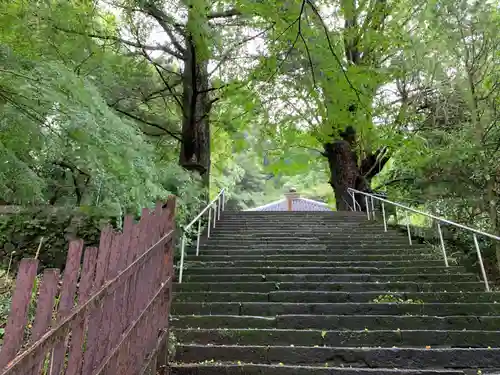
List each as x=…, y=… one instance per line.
x=217, y=205
x=438, y=219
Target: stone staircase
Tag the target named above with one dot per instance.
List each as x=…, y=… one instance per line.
x=307, y=293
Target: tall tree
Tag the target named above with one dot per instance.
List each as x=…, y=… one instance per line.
x=180, y=40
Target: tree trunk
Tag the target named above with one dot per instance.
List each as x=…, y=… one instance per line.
x=344, y=173
x=493, y=215
x=196, y=103
x=344, y=170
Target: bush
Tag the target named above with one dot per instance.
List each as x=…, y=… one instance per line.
x=22, y=233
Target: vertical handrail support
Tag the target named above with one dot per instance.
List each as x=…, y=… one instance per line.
x=439, y=220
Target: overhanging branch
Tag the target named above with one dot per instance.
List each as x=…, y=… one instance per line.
x=124, y=41
x=224, y=14
x=154, y=125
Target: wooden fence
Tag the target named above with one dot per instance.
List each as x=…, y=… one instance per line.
x=109, y=315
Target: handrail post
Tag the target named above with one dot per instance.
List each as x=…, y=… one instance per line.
x=367, y=207
x=223, y=199
x=209, y=222
x=198, y=238
x=353, y=201
x=218, y=207
x=215, y=213
x=183, y=245
x=443, y=249
x=383, y=215
x=373, y=209
x=483, y=271
x=408, y=228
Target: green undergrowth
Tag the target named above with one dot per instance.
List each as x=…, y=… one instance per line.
x=6, y=285
x=390, y=298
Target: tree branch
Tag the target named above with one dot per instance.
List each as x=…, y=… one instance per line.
x=232, y=48
x=123, y=41
x=374, y=163
x=170, y=89
x=224, y=14
x=72, y=168
x=137, y=118
x=79, y=66
x=330, y=46
x=307, y=47
x=162, y=18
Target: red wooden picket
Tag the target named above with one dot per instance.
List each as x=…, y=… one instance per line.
x=78, y=328
x=45, y=306
x=14, y=331
x=123, y=292
x=66, y=301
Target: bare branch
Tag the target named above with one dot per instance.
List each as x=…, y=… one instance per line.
x=164, y=81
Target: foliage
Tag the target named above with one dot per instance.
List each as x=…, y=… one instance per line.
x=390, y=298
x=25, y=231
x=62, y=142
x=6, y=284
x=96, y=103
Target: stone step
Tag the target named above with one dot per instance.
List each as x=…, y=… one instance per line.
x=417, y=358
x=341, y=322
x=306, y=232
x=377, y=253
x=317, y=223
x=285, y=214
x=354, y=338
x=264, y=226
x=283, y=218
x=333, y=247
x=453, y=277
x=246, y=256
x=315, y=270
x=274, y=228
x=311, y=263
x=335, y=297
x=320, y=219
x=331, y=235
x=301, y=308
x=304, y=221
x=215, y=241
x=239, y=368
x=226, y=227
x=264, y=287
x=312, y=238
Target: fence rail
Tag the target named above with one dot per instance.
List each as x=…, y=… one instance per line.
x=370, y=212
x=109, y=315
